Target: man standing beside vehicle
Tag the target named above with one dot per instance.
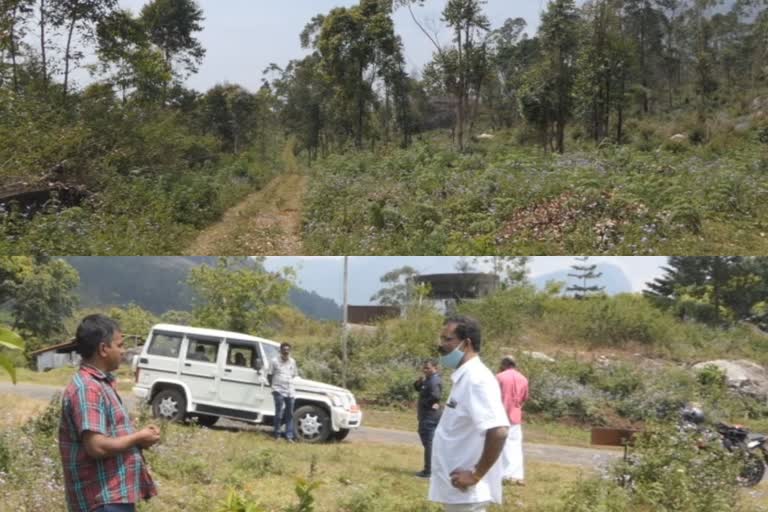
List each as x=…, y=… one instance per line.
x=282, y=371
x=104, y=469
x=514, y=393
x=430, y=388
x=466, y=467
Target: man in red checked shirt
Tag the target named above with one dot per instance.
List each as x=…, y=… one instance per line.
x=104, y=470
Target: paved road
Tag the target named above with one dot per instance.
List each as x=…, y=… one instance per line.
x=567, y=455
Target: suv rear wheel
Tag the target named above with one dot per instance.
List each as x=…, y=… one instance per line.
x=341, y=434
x=170, y=405
x=312, y=424
x=204, y=420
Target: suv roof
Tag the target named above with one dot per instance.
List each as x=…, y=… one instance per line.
x=201, y=331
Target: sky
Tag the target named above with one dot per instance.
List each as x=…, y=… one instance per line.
x=242, y=37
x=324, y=274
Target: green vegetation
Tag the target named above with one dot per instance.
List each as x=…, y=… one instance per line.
x=133, y=163
x=506, y=199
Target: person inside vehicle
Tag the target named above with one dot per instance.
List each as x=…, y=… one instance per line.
x=240, y=359
x=199, y=354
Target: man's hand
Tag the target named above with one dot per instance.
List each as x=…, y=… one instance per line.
x=149, y=436
x=436, y=406
x=463, y=479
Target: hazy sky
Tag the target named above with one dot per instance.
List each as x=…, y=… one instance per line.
x=242, y=37
x=323, y=275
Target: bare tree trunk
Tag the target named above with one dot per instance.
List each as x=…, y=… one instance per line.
x=12, y=35
x=43, y=45
x=67, y=55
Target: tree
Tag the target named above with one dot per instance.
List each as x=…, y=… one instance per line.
x=11, y=341
x=708, y=288
x=604, y=62
x=585, y=273
x=82, y=16
x=463, y=66
x=39, y=293
x=559, y=42
x=511, y=270
x=236, y=294
x=400, y=288
x=231, y=114
x=122, y=43
x=13, y=18
x=171, y=25
x=353, y=42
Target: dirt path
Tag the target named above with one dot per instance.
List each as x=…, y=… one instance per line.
x=567, y=455
x=267, y=222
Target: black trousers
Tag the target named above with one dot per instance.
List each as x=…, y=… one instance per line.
x=427, y=428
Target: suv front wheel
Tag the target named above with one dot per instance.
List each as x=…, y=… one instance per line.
x=312, y=424
x=169, y=405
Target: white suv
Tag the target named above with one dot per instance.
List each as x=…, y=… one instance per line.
x=207, y=374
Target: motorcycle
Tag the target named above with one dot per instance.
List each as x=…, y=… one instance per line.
x=752, y=448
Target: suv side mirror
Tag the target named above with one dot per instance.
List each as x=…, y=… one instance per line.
x=259, y=364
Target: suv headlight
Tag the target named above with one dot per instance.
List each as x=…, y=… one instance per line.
x=336, y=400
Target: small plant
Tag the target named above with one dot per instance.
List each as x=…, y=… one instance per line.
x=236, y=502
x=46, y=425
x=304, y=490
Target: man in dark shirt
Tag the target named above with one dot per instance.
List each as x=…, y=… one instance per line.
x=430, y=388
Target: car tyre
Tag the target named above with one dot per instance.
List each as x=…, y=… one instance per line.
x=312, y=424
x=169, y=405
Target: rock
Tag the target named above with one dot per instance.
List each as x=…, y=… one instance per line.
x=742, y=127
x=759, y=103
x=679, y=138
x=760, y=114
x=539, y=356
x=485, y=136
x=742, y=375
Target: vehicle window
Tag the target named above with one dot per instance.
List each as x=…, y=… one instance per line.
x=167, y=345
x=202, y=350
x=270, y=351
x=242, y=355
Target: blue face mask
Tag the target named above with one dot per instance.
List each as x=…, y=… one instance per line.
x=452, y=359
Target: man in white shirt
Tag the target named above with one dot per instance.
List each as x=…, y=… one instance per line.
x=466, y=467
x=282, y=371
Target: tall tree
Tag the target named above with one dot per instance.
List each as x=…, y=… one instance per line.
x=548, y=92
x=236, y=294
x=586, y=273
x=399, y=288
x=13, y=17
x=171, y=25
x=78, y=16
x=39, y=292
x=716, y=281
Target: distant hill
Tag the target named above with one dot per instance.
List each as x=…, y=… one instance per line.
x=613, y=278
x=158, y=284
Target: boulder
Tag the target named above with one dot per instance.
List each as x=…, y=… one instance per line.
x=742, y=375
x=742, y=127
x=759, y=103
x=485, y=136
x=679, y=138
x=539, y=356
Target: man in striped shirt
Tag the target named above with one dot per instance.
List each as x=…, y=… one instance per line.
x=104, y=469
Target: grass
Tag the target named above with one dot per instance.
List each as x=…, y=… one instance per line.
x=197, y=469
x=504, y=198
x=60, y=377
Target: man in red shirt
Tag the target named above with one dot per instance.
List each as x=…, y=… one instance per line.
x=104, y=469
x=514, y=393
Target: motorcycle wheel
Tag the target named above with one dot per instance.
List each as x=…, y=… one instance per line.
x=753, y=470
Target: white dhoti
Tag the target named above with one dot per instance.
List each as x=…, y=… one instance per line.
x=512, y=456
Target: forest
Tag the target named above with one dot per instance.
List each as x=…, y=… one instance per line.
x=617, y=126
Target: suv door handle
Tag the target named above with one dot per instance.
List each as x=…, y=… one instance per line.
x=227, y=370
x=187, y=364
